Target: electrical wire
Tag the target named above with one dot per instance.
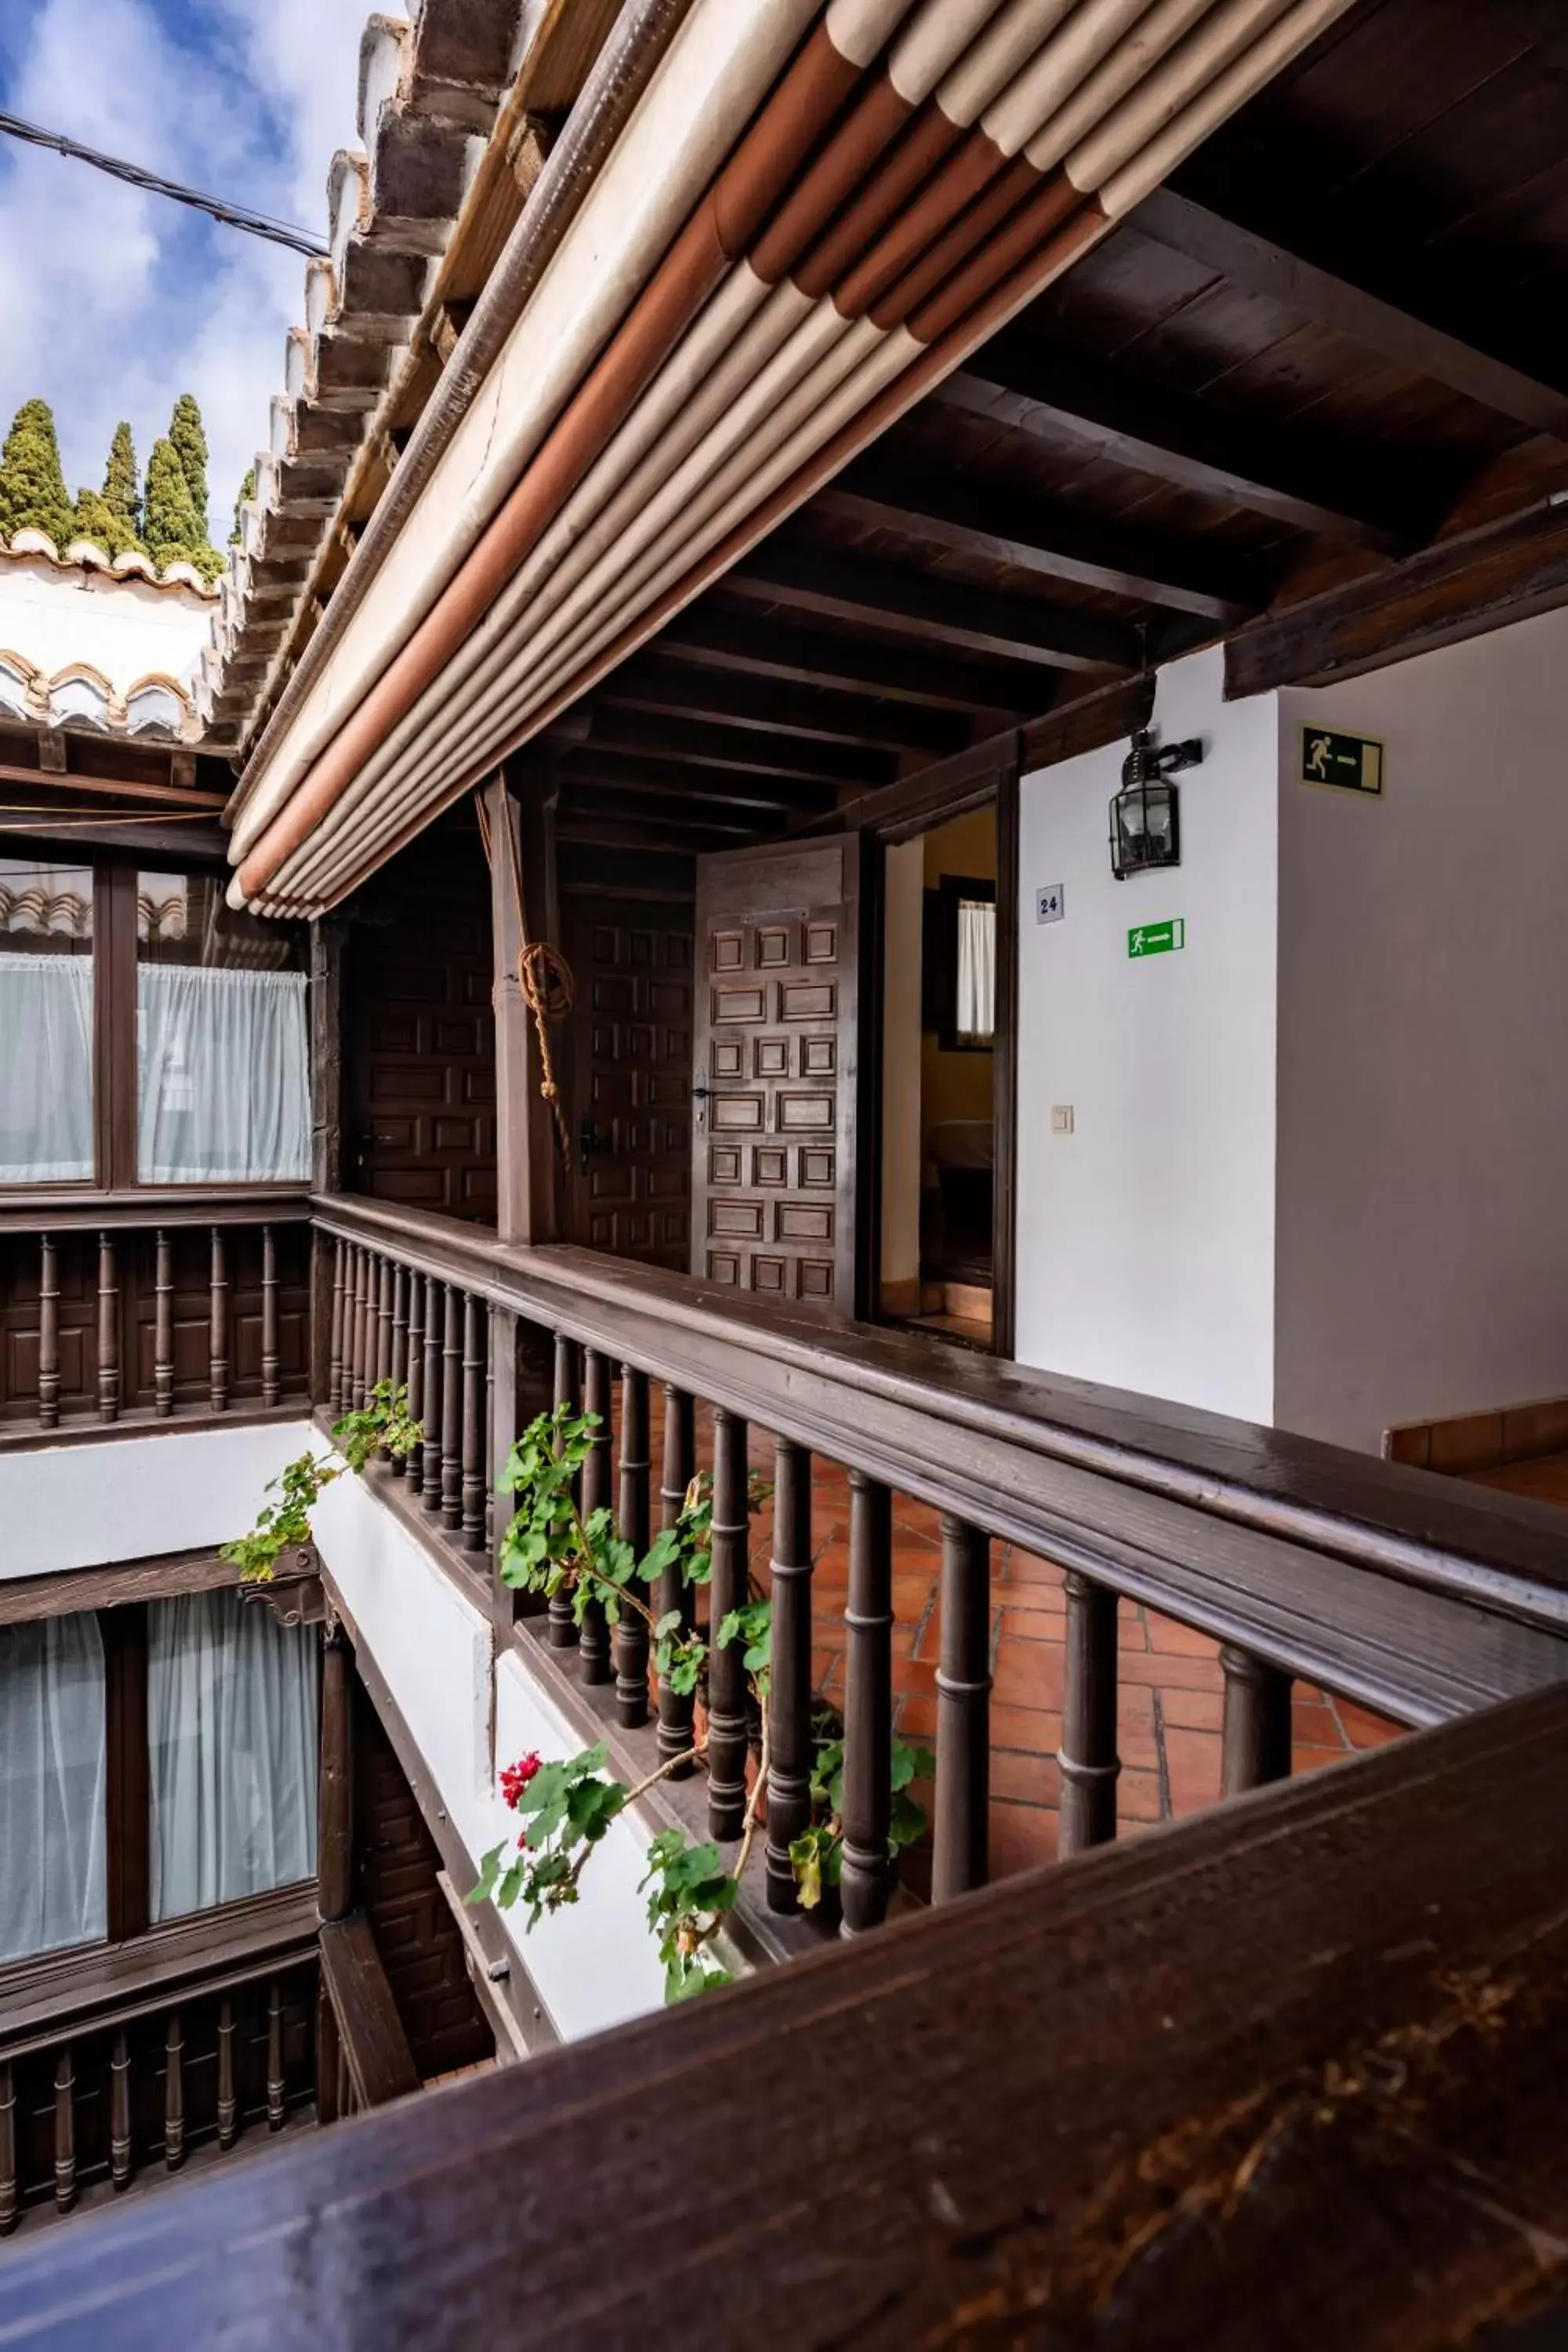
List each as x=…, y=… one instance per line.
x=231, y=215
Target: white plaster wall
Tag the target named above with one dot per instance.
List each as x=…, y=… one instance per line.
x=595, y=1964
x=128, y=629
x=1422, y=1170
x=1146, y=1238
x=903, y=909
x=67, y=1506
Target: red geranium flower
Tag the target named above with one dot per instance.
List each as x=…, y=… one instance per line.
x=515, y=1778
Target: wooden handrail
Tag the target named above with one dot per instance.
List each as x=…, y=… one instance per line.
x=1412, y=1593
x=1303, y=2054
x=59, y=1209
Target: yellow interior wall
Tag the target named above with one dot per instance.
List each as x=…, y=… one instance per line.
x=955, y=1085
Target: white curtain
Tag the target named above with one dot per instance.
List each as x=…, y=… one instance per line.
x=45, y=1069
x=231, y=1726
x=53, y=1755
x=976, y=967
x=224, y=1091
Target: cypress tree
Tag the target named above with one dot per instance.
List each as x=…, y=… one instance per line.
x=32, y=487
x=247, y=490
x=96, y=520
x=172, y=531
x=190, y=448
x=122, y=484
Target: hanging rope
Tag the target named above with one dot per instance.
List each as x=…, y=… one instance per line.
x=543, y=976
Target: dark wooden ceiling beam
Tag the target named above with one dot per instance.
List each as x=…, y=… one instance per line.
x=1177, y=439
x=625, y=772
x=714, y=635
x=1260, y=266
x=666, y=735
x=825, y=714
x=678, y=811
x=593, y=830
x=1007, y=526
x=931, y=610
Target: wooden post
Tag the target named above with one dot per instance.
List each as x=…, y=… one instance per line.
x=1088, y=1757
x=65, y=2130
x=729, y=1725
x=522, y=1369
x=175, y=2094
x=381, y=1372
x=413, y=1469
x=228, y=2097
x=163, y=1328
x=107, y=1331
x=435, y=1428
x=527, y=1174
x=334, y=1803
x=675, y=1712
x=475, y=1357
x=10, y=2193
x=567, y=1390
x=328, y=940
x=865, y=1884
x=960, y=1844
x=632, y=1519
x=789, y=1733
x=1256, y=1748
x=50, y=1333
x=274, y=2083
x=120, y=2141
x=452, y=1411
x=335, y=1356
x=593, y=1638
x=269, y=1317
x=217, y=1324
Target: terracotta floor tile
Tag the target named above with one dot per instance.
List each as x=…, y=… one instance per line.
x=1036, y=1729
x=1023, y=1837
x=1024, y=1780
x=1315, y=1724
x=1138, y=1797
x=1191, y=1710
x=1173, y=1673
x=1193, y=1767
x=1030, y=1673
x=1182, y=1640
x=1308, y=1759
x=1363, y=1729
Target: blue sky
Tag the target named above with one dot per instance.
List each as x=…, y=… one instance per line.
x=112, y=301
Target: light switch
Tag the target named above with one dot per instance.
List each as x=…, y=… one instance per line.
x=1061, y=1118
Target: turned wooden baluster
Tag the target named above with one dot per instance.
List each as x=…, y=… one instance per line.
x=1088, y=1758
x=961, y=1828
x=632, y=1521
x=217, y=1324
x=435, y=1428
x=383, y=1368
x=227, y=2099
x=415, y=1462
x=866, y=1884
x=567, y=1392
x=452, y=1412
x=65, y=2130
x=10, y=2194
x=107, y=1331
x=1256, y=1748
x=119, y=2147
x=163, y=1328
x=335, y=1361
x=364, y=1354
x=269, y=1385
x=593, y=1640
x=174, y=2093
x=48, y=1334
x=473, y=1465
x=728, y=1720
x=275, y=2056
x=671, y=1592
x=789, y=1732
x=489, y=1536
x=399, y=1373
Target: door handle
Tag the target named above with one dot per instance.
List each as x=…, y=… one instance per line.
x=700, y=1095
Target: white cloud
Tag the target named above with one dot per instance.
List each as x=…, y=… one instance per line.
x=113, y=302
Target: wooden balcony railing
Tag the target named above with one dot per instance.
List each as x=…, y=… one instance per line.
x=186, y=2044
x=141, y=1311
x=1416, y=1597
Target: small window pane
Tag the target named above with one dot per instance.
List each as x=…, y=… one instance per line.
x=223, y=1051
x=231, y=1730
x=45, y=1023
x=53, y=1790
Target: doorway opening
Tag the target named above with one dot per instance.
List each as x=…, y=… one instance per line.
x=940, y=1108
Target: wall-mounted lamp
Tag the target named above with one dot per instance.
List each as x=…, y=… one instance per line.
x=1146, y=815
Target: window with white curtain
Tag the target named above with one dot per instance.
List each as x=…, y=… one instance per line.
x=976, y=1008
x=45, y=1023
x=223, y=1058
x=232, y=1741
x=53, y=1785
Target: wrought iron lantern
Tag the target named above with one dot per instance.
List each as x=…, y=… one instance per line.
x=1146, y=813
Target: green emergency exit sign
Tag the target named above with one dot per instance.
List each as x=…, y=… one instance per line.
x=1157, y=939
x=1351, y=763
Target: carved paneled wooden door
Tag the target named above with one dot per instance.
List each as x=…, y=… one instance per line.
x=775, y=1084
x=629, y=1104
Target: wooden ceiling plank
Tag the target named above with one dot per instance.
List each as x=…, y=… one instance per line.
x=1177, y=439
x=666, y=735
x=1259, y=265
x=989, y=520
x=712, y=636
x=823, y=713
x=625, y=772
x=931, y=609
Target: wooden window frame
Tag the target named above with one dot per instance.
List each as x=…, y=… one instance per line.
x=114, y=1053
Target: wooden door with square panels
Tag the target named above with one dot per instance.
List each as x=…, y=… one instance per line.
x=628, y=1071
x=774, y=1080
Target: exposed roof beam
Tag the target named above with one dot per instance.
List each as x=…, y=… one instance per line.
x=1178, y=439
x=931, y=610
x=629, y=833
x=649, y=683
x=662, y=735
x=1259, y=265
x=625, y=772
x=675, y=811
x=712, y=636
x=1005, y=525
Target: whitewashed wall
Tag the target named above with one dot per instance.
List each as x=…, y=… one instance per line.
x=65, y=1506
x=53, y=615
